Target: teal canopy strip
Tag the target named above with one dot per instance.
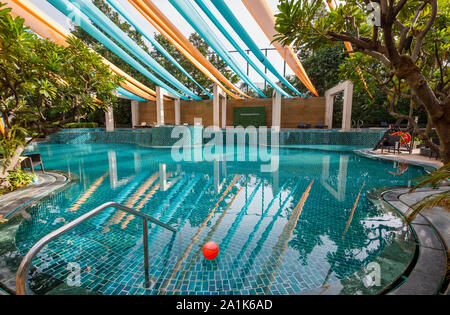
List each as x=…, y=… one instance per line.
x=123, y=11
x=74, y=13
x=105, y=24
x=246, y=38
x=241, y=51
x=124, y=92
x=188, y=11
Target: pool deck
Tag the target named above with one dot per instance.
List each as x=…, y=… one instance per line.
x=432, y=228
x=415, y=157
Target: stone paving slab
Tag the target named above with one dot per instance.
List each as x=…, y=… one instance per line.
x=427, y=236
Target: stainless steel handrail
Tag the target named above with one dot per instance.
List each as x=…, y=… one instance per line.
x=24, y=268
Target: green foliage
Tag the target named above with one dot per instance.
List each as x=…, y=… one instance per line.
x=404, y=55
x=433, y=180
x=44, y=86
x=19, y=179
x=82, y=125
x=8, y=145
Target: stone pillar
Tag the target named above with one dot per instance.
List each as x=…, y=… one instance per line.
x=159, y=106
x=347, y=110
x=216, y=106
x=347, y=87
x=177, y=112
x=276, y=111
x=109, y=119
x=224, y=112
x=329, y=109
x=135, y=114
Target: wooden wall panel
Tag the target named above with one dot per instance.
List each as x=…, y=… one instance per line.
x=308, y=110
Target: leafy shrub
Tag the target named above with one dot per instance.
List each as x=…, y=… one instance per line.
x=81, y=125
x=19, y=179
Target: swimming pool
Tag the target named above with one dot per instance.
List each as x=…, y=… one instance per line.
x=301, y=229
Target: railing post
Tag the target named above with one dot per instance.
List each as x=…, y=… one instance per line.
x=145, y=238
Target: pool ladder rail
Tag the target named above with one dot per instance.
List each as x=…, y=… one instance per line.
x=24, y=268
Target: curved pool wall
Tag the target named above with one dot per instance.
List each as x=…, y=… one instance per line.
x=161, y=136
x=268, y=244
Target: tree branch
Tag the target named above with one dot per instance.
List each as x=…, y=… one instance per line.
x=423, y=33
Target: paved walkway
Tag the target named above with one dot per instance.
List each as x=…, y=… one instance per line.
x=414, y=157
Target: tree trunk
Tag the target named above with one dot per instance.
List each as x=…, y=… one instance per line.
x=6, y=168
x=443, y=130
x=439, y=113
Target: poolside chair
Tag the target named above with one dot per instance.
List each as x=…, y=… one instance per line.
x=427, y=151
x=320, y=125
x=30, y=161
x=391, y=142
x=301, y=125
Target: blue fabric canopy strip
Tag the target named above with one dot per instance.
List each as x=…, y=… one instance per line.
x=130, y=95
x=73, y=12
x=241, y=51
x=119, y=8
x=225, y=11
x=188, y=11
x=99, y=18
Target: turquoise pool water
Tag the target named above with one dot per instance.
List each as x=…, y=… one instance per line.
x=293, y=231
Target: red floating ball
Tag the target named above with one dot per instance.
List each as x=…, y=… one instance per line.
x=210, y=250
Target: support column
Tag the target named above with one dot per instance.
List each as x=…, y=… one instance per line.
x=216, y=107
x=276, y=111
x=159, y=106
x=347, y=87
x=135, y=114
x=177, y=112
x=329, y=98
x=224, y=112
x=109, y=119
x=347, y=110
